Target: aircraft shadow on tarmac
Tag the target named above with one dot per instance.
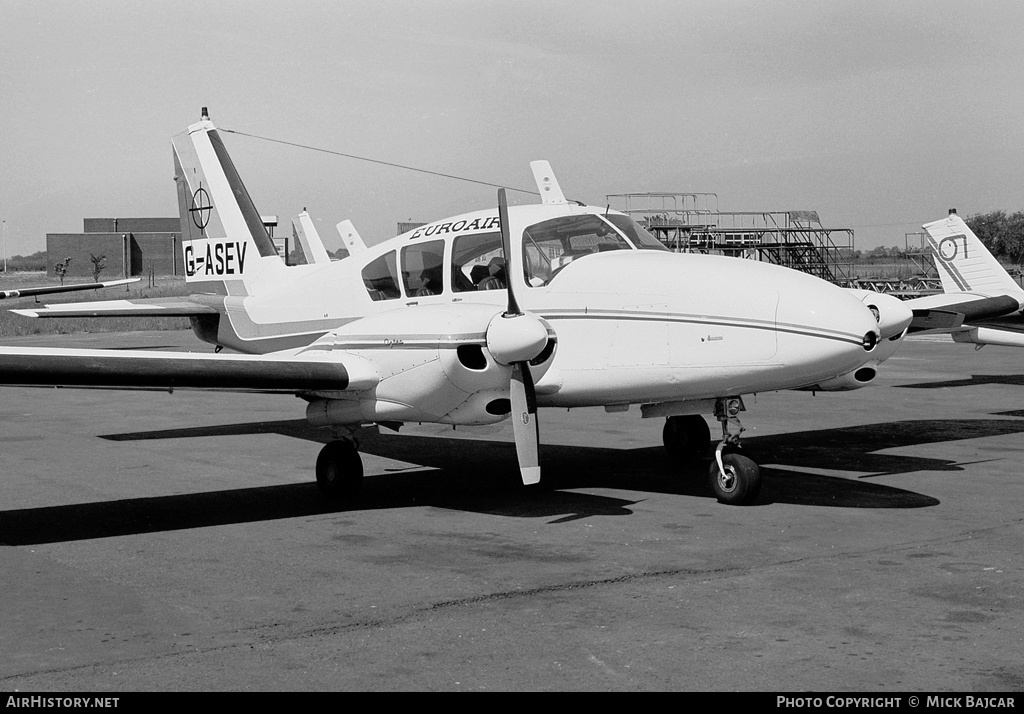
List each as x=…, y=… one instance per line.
x=480, y=476
x=975, y=380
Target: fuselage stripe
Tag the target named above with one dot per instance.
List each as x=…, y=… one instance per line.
x=352, y=342
x=716, y=322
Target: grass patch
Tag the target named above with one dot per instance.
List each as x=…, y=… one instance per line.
x=12, y=325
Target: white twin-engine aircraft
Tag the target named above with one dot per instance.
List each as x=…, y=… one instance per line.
x=480, y=318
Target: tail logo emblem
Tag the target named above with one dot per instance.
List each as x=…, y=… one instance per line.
x=201, y=208
x=948, y=247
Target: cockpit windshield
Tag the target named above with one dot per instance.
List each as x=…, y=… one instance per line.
x=637, y=234
x=550, y=246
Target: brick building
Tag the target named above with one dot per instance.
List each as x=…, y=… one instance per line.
x=132, y=246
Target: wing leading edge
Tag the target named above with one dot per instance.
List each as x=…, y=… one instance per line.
x=951, y=315
x=139, y=369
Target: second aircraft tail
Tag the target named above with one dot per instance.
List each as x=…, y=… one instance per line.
x=963, y=261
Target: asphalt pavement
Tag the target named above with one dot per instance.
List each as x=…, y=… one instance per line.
x=177, y=542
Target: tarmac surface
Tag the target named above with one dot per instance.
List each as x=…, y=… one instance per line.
x=156, y=542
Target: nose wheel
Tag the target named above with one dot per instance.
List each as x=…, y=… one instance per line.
x=734, y=478
x=339, y=470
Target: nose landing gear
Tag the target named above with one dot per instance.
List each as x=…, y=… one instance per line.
x=734, y=478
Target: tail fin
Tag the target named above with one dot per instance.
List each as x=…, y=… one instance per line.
x=354, y=242
x=308, y=238
x=963, y=261
x=227, y=249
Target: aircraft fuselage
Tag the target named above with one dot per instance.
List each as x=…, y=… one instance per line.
x=631, y=326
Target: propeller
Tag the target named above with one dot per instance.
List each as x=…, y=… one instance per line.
x=514, y=338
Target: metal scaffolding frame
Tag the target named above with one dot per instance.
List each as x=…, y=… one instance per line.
x=692, y=223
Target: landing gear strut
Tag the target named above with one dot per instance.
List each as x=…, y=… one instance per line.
x=734, y=478
x=339, y=470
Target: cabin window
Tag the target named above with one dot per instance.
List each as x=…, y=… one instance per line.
x=637, y=234
x=478, y=263
x=422, y=270
x=550, y=246
x=380, y=277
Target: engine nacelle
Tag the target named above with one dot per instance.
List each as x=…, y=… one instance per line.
x=434, y=365
x=856, y=379
x=891, y=313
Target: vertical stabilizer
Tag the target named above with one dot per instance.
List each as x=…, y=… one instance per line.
x=547, y=184
x=308, y=238
x=963, y=261
x=350, y=237
x=227, y=249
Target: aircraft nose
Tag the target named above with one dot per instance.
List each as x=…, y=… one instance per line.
x=828, y=324
x=892, y=314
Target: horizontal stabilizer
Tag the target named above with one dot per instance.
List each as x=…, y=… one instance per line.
x=51, y=289
x=140, y=369
x=145, y=307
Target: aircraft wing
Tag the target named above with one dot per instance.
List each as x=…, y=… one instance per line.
x=948, y=312
x=144, y=307
x=51, y=289
x=141, y=369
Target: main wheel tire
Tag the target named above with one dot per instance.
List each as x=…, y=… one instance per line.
x=339, y=471
x=687, y=437
x=740, y=484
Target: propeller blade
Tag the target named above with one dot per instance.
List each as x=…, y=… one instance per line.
x=524, y=422
x=506, y=249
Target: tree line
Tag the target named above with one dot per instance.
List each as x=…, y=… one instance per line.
x=1001, y=233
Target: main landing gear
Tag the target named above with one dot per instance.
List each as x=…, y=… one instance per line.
x=734, y=478
x=687, y=437
x=339, y=470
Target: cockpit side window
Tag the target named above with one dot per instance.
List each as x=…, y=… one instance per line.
x=550, y=246
x=422, y=268
x=478, y=263
x=380, y=277
x=637, y=234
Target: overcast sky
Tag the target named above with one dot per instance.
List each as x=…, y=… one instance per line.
x=878, y=115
